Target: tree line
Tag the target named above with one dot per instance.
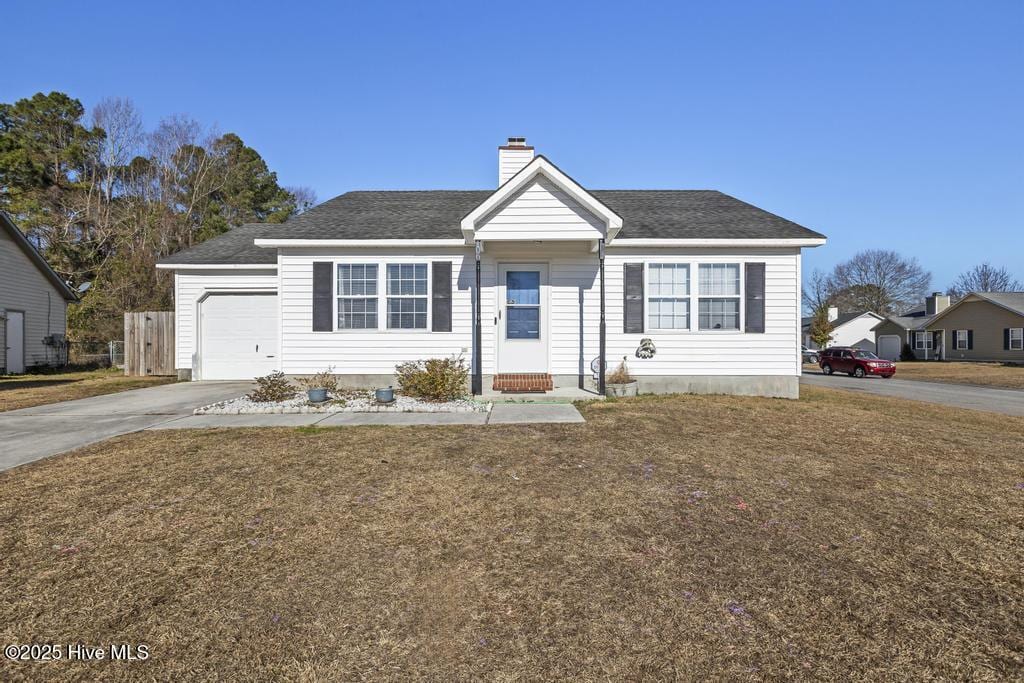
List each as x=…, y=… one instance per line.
x=884, y=282
x=103, y=198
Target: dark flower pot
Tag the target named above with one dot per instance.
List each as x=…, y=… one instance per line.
x=385, y=395
x=316, y=395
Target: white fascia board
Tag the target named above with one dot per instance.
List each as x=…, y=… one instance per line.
x=284, y=243
x=700, y=242
x=216, y=266
x=541, y=166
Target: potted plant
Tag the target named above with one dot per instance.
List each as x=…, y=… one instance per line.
x=318, y=386
x=620, y=383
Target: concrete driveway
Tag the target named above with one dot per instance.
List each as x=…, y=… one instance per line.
x=33, y=433
x=1006, y=401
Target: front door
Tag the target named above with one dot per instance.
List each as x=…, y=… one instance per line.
x=522, y=325
x=15, y=342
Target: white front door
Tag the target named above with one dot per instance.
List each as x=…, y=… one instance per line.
x=15, y=342
x=239, y=336
x=523, y=329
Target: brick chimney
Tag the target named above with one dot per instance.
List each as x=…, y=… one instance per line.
x=512, y=157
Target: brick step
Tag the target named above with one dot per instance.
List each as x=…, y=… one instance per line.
x=517, y=383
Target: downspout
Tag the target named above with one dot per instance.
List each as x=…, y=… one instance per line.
x=478, y=375
x=601, y=343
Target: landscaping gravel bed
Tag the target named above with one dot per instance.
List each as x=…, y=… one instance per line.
x=348, y=402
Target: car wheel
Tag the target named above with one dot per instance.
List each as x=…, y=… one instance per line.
x=827, y=369
x=814, y=359
x=858, y=372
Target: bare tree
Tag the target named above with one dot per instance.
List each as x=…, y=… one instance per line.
x=984, y=278
x=305, y=198
x=817, y=293
x=879, y=280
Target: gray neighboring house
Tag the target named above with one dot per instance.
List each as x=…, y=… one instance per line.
x=910, y=328
x=982, y=326
x=33, y=304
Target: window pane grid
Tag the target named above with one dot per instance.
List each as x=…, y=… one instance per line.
x=668, y=314
x=1017, y=338
x=407, y=296
x=669, y=279
x=719, y=314
x=407, y=279
x=407, y=313
x=357, y=296
x=719, y=279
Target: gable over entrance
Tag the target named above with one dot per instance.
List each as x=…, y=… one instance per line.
x=540, y=202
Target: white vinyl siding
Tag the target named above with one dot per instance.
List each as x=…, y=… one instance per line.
x=191, y=285
x=540, y=211
x=24, y=288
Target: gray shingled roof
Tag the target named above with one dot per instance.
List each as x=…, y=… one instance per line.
x=233, y=247
x=1011, y=300
x=436, y=214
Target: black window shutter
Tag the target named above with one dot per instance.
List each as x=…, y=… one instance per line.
x=970, y=340
x=633, y=298
x=441, y=296
x=754, y=297
x=1006, y=339
x=323, y=288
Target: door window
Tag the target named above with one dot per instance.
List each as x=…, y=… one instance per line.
x=522, y=304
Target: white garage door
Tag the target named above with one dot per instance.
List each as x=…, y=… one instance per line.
x=889, y=347
x=239, y=338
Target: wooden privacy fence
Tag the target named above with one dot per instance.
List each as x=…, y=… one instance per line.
x=149, y=343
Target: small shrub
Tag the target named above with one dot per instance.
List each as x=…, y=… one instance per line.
x=272, y=388
x=321, y=380
x=620, y=375
x=907, y=353
x=436, y=379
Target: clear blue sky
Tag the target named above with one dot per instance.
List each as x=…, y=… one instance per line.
x=881, y=124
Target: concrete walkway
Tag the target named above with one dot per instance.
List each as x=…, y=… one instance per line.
x=1005, y=401
x=501, y=413
x=33, y=433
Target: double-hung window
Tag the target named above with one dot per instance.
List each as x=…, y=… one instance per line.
x=407, y=296
x=960, y=343
x=1016, y=338
x=719, y=296
x=357, y=296
x=922, y=340
x=668, y=303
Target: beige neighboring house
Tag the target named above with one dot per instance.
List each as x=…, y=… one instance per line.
x=33, y=304
x=982, y=326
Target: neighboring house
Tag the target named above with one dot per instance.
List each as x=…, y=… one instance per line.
x=848, y=329
x=511, y=279
x=33, y=304
x=910, y=328
x=987, y=326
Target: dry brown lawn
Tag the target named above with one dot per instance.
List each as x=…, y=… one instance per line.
x=26, y=391
x=984, y=374
x=839, y=537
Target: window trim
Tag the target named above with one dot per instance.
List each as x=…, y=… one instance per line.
x=382, y=263
x=386, y=327
x=1019, y=339
x=688, y=298
x=741, y=279
x=956, y=340
x=927, y=345
x=338, y=297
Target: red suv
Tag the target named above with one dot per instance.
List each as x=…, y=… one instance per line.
x=855, y=362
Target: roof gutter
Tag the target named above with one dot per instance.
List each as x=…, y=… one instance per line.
x=283, y=243
x=723, y=242
x=216, y=266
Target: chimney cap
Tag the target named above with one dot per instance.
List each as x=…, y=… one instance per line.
x=516, y=143
x=937, y=294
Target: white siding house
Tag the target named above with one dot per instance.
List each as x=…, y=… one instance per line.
x=369, y=280
x=33, y=304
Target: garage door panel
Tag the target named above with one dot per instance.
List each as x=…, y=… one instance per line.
x=239, y=336
x=889, y=347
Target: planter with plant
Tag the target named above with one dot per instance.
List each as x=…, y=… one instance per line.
x=319, y=386
x=619, y=382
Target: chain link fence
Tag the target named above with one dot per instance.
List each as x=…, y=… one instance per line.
x=103, y=354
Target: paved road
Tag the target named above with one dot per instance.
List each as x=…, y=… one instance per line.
x=33, y=433
x=1006, y=401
